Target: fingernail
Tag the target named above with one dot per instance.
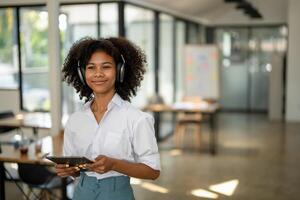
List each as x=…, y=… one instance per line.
x=67, y=165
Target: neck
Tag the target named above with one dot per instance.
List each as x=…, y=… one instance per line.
x=101, y=101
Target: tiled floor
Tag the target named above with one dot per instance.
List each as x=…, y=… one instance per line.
x=261, y=158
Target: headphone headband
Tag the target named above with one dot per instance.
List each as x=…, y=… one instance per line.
x=80, y=73
x=121, y=70
x=123, y=60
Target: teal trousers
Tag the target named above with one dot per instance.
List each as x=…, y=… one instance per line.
x=112, y=188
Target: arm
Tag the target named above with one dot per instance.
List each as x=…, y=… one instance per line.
x=104, y=164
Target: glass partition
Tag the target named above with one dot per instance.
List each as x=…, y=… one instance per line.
x=34, y=57
x=139, y=28
x=108, y=20
x=8, y=49
x=193, y=33
x=233, y=45
x=166, y=58
x=246, y=56
x=264, y=44
x=166, y=70
x=180, y=42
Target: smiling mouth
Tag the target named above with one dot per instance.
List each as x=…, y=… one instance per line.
x=98, y=82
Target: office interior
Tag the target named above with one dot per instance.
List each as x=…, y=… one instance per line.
x=257, y=121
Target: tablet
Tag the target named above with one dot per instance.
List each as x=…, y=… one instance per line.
x=70, y=160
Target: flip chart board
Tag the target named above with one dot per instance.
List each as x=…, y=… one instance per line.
x=201, y=63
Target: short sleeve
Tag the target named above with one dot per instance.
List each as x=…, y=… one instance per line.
x=144, y=143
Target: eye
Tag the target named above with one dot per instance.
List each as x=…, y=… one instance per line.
x=106, y=66
x=90, y=67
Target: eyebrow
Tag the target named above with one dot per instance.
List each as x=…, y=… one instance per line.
x=90, y=63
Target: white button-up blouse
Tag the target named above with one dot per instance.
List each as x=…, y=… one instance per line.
x=124, y=132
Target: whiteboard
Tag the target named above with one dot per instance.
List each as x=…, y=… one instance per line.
x=201, y=63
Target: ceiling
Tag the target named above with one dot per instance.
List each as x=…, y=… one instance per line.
x=215, y=12
x=219, y=12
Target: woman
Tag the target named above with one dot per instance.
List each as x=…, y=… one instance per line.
x=108, y=129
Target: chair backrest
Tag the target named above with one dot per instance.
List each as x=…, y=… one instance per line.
x=34, y=175
x=190, y=117
x=6, y=114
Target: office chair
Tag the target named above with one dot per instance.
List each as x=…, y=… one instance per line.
x=40, y=177
x=5, y=130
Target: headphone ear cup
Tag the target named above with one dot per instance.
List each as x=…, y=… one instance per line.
x=120, y=72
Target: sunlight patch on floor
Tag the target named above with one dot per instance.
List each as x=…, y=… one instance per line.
x=226, y=188
x=204, y=194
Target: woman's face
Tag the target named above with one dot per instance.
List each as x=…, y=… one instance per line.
x=100, y=73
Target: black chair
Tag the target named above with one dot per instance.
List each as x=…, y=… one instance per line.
x=40, y=177
x=5, y=130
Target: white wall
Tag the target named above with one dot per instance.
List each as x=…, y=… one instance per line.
x=293, y=68
x=10, y=100
x=276, y=88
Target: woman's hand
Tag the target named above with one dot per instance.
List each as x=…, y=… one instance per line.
x=101, y=165
x=64, y=170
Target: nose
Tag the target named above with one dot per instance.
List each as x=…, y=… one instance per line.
x=98, y=72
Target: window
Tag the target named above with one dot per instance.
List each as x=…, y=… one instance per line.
x=246, y=55
x=166, y=58
x=266, y=43
x=193, y=33
x=180, y=42
x=108, y=20
x=166, y=70
x=34, y=58
x=75, y=22
x=139, y=28
x=8, y=49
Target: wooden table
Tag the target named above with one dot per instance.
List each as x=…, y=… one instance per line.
x=51, y=145
x=208, y=110
x=34, y=120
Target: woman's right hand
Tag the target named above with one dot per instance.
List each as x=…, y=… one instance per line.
x=63, y=170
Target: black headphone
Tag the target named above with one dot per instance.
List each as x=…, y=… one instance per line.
x=120, y=71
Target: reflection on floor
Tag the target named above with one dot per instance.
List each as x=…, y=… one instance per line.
x=256, y=159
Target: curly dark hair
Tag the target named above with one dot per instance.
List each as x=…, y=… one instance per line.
x=82, y=50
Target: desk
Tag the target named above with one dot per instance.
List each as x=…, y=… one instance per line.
x=28, y=120
x=52, y=145
x=208, y=109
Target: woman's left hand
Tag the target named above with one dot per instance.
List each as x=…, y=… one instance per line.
x=101, y=165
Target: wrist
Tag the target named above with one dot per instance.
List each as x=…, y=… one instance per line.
x=113, y=164
x=75, y=174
